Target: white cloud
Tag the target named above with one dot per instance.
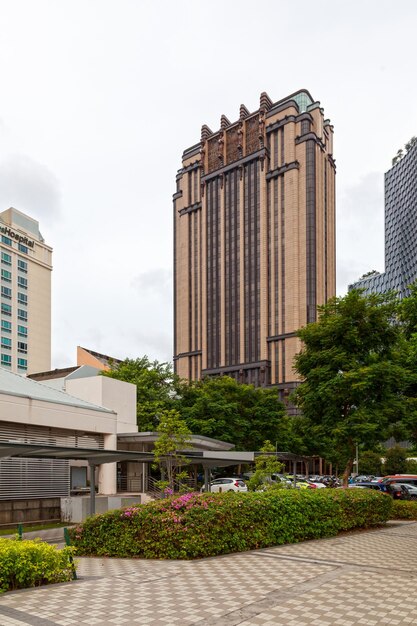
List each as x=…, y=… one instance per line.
x=156, y=282
x=30, y=187
x=360, y=229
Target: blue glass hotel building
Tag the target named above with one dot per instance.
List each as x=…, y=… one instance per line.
x=400, y=230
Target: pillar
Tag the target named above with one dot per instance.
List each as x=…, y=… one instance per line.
x=107, y=478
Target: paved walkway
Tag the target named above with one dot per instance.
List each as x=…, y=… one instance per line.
x=355, y=579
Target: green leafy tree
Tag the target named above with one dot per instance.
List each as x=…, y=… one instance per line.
x=411, y=466
x=173, y=436
x=224, y=409
x=368, y=274
x=398, y=156
x=407, y=315
x=370, y=463
x=156, y=388
x=395, y=461
x=407, y=312
x=266, y=465
x=353, y=378
x=410, y=143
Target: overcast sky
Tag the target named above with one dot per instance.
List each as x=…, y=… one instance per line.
x=100, y=97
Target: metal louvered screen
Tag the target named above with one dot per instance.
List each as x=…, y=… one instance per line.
x=40, y=478
x=34, y=478
x=26, y=433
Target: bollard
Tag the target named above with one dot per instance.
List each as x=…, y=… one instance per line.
x=20, y=532
x=68, y=543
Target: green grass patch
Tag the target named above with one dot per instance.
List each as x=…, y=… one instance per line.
x=10, y=530
x=203, y=525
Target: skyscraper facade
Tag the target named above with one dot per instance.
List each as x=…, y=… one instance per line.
x=25, y=317
x=254, y=241
x=400, y=230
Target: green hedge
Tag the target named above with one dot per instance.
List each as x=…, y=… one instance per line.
x=404, y=509
x=32, y=563
x=202, y=525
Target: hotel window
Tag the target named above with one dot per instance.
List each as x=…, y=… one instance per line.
x=22, y=364
x=6, y=240
x=22, y=331
x=22, y=282
x=6, y=309
x=6, y=359
x=22, y=265
x=22, y=248
x=22, y=347
x=22, y=315
x=6, y=275
x=6, y=292
x=21, y=297
x=6, y=342
x=6, y=259
x=6, y=326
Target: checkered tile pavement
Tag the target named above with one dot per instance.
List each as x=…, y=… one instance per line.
x=347, y=580
x=349, y=600
x=372, y=548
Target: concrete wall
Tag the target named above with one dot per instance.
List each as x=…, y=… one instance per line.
x=33, y=510
x=77, y=509
x=25, y=410
x=110, y=393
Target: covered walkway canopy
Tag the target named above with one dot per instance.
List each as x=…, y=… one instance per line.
x=94, y=456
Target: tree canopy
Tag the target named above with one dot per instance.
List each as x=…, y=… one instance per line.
x=358, y=367
x=214, y=407
x=224, y=409
x=353, y=371
x=156, y=388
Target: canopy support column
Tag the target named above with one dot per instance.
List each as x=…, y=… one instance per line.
x=92, y=488
x=207, y=479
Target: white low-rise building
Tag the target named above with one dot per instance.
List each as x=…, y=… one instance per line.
x=79, y=412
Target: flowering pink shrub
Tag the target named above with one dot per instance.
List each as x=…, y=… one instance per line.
x=197, y=525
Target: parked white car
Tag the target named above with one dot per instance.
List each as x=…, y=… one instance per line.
x=226, y=484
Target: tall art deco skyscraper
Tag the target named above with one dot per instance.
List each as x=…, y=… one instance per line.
x=254, y=241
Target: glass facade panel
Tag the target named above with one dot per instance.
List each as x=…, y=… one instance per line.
x=400, y=230
x=22, y=265
x=22, y=314
x=6, y=259
x=6, y=359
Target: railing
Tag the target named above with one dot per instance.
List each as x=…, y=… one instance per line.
x=153, y=489
x=130, y=484
x=189, y=483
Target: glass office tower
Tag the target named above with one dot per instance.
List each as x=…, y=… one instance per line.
x=400, y=230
